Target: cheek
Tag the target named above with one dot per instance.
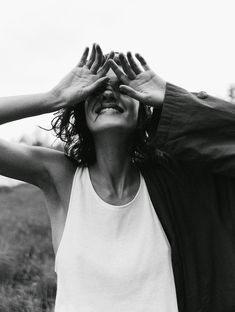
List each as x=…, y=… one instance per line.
x=88, y=105
x=86, y=111
x=131, y=104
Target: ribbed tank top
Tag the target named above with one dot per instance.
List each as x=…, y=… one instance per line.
x=113, y=258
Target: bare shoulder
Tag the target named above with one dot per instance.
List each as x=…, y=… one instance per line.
x=57, y=164
x=57, y=182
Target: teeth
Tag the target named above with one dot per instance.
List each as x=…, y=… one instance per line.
x=116, y=108
x=108, y=108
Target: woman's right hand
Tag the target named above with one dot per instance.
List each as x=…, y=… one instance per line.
x=83, y=80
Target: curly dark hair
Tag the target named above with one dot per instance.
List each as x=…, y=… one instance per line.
x=70, y=126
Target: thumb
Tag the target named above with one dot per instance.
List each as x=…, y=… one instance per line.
x=96, y=85
x=131, y=92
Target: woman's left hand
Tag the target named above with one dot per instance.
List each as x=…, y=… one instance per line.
x=141, y=84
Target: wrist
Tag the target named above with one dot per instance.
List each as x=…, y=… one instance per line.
x=54, y=101
x=158, y=97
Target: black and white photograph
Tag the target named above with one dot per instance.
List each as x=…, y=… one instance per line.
x=117, y=156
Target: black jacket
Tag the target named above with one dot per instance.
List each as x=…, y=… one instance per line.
x=192, y=188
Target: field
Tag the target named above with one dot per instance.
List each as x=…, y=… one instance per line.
x=27, y=278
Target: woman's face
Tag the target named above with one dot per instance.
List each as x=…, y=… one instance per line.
x=111, y=109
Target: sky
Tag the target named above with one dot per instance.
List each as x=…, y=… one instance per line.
x=188, y=43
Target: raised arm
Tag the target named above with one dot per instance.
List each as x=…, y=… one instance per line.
x=31, y=164
x=191, y=127
x=197, y=128
x=71, y=90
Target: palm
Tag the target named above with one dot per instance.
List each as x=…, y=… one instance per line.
x=84, y=79
x=75, y=86
x=146, y=83
x=145, y=86
x=148, y=87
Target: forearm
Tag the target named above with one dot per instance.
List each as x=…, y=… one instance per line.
x=18, y=107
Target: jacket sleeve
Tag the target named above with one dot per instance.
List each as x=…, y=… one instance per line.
x=196, y=128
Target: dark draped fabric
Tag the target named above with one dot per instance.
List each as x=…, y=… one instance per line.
x=192, y=187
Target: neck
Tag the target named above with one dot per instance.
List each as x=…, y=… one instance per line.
x=113, y=167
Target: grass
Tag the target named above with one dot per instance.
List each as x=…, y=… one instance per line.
x=27, y=278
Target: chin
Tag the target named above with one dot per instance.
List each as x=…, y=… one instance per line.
x=112, y=121
x=113, y=126
x=109, y=128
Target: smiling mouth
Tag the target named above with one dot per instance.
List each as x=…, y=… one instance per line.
x=107, y=107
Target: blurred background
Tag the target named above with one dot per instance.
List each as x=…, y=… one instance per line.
x=188, y=43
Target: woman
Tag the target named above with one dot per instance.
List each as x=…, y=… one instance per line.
x=113, y=252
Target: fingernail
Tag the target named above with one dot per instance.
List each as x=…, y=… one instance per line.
x=111, y=54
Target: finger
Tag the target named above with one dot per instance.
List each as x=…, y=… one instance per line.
x=103, y=60
x=133, y=64
x=126, y=67
x=96, y=85
x=92, y=57
x=131, y=92
x=98, y=60
x=82, y=61
x=142, y=61
x=121, y=76
x=106, y=66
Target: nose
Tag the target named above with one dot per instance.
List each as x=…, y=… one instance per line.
x=108, y=94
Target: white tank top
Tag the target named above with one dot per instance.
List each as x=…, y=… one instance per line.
x=113, y=258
